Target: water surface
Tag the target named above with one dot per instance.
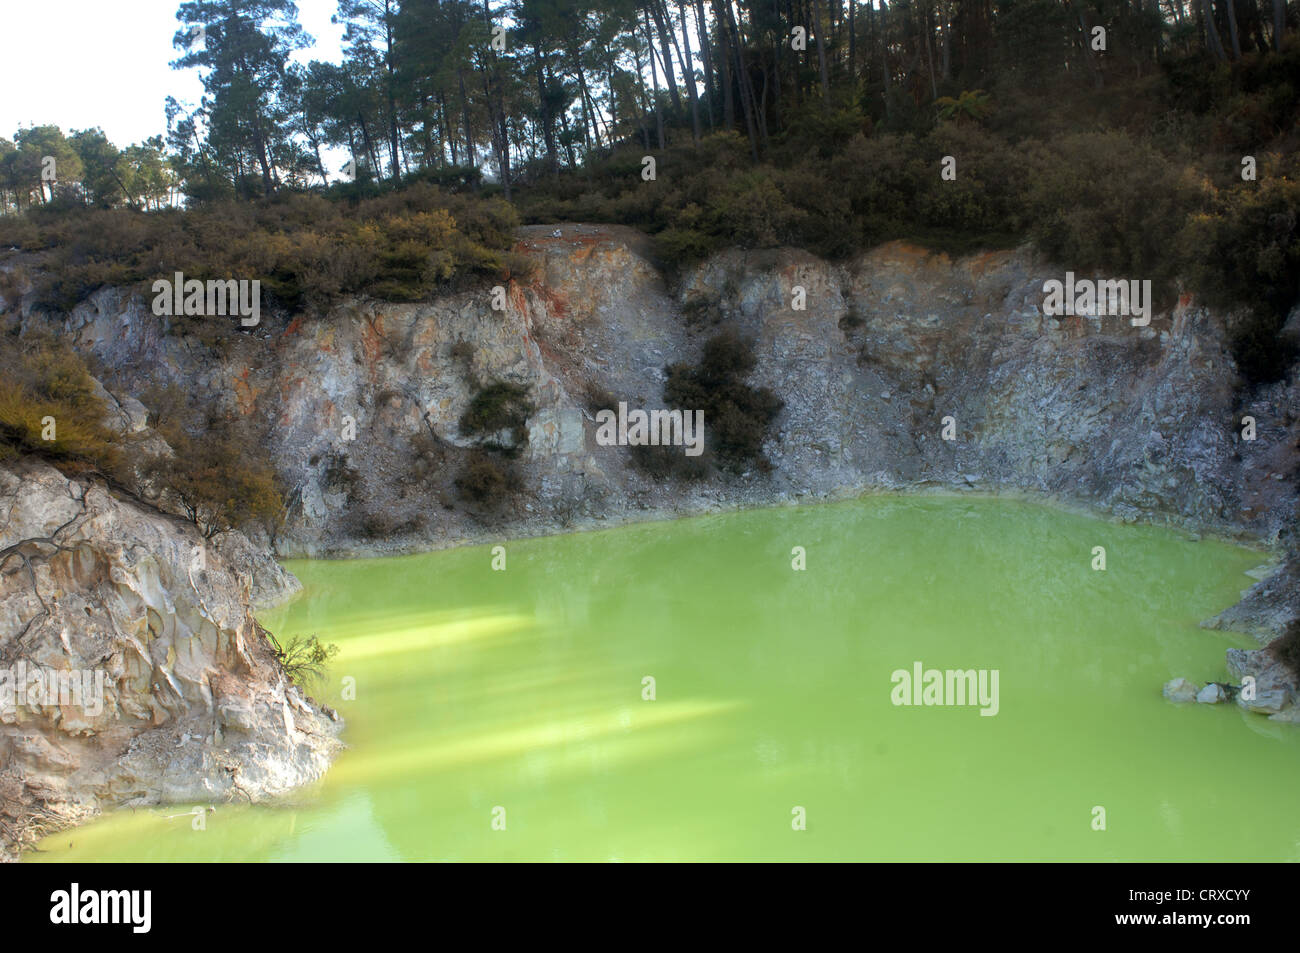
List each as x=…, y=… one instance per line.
x=517, y=696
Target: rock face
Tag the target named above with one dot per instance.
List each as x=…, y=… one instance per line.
x=181, y=699
x=363, y=403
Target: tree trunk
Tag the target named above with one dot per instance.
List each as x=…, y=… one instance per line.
x=1279, y=22
x=1232, y=31
x=724, y=54
x=945, y=59
x=821, y=52
x=853, y=46
x=1212, y=32
x=1088, y=52
x=448, y=139
x=498, y=135
x=927, y=36
x=664, y=37
x=548, y=121
x=706, y=55
x=668, y=31
x=689, y=75
x=742, y=80
x=464, y=112
x=879, y=17
x=428, y=136
x=654, y=78
x=370, y=146
x=576, y=55
x=320, y=164
x=497, y=108
x=392, y=91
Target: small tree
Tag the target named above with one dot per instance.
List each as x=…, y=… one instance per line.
x=219, y=479
x=303, y=659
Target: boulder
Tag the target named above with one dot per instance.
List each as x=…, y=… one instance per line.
x=1274, y=686
x=167, y=677
x=1211, y=694
x=1268, y=701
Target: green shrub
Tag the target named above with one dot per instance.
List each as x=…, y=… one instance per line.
x=679, y=247
x=307, y=250
x=218, y=473
x=342, y=476
x=1108, y=201
x=1245, y=250
x=495, y=409
x=737, y=416
x=42, y=377
x=429, y=456
x=303, y=659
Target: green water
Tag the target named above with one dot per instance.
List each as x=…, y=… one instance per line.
x=522, y=690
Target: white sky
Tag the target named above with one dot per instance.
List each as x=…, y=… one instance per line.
x=84, y=63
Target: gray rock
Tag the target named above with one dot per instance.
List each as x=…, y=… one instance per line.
x=1273, y=686
x=170, y=646
x=1180, y=690
x=1268, y=701
x=1211, y=694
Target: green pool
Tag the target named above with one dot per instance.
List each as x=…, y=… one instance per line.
x=503, y=715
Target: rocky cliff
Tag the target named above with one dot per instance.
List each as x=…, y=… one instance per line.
x=132, y=671
x=1141, y=422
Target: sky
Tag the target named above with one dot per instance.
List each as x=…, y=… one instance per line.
x=84, y=63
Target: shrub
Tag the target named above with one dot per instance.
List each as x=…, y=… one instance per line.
x=1110, y=201
x=340, y=475
x=303, y=659
x=1245, y=250
x=701, y=309
x=42, y=377
x=218, y=475
x=429, y=456
x=1261, y=352
x=487, y=481
x=669, y=463
x=307, y=250
x=737, y=416
x=596, y=398
x=498, y=408
x=679, y=247
x=382, y=524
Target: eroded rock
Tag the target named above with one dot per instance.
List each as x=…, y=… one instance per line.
x=188, y=702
